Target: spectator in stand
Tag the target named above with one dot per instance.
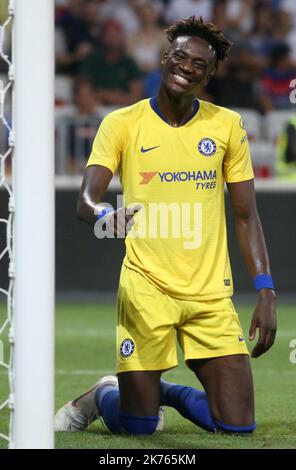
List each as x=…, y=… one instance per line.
x=261, y=40
x=233, y=85
x=177, y=9
x=152, y=79
x=275, y=83
x=240, y=18
x=122, y=11
x=219, y=14
x=85, y=100
x=114, y=74
x=77, y=31
x=92, y=21
x=145, y=45
x=285, y=31
x=83, y=128
x=232, y=17
x=290, y=7
x=125, y=12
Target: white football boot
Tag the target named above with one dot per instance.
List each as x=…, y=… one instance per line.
x=79, y=413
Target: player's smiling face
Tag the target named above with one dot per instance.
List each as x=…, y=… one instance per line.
x=188, y=65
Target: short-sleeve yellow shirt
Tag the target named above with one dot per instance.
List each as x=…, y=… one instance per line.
x=177, y=174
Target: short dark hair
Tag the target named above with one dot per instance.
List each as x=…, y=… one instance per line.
x=195, y=26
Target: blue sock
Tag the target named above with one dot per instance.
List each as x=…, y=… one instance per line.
x=230, y=429
x=192, y=404
x=118, y=422
x=138, y=424
x=107, y=401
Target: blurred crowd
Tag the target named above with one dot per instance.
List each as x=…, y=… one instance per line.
x=111, y=50
x=108, y=54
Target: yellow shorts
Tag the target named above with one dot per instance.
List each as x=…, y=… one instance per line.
x=149, y=322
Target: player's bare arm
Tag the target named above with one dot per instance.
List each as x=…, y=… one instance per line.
x=94, y=185
x=252, y=245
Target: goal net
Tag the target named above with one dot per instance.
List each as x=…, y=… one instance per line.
x=6, y=223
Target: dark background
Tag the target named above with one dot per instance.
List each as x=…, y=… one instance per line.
x=85, y=264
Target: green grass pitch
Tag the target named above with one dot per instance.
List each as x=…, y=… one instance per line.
x=85, y=351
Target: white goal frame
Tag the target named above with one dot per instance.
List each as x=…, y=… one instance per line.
x=33, y=187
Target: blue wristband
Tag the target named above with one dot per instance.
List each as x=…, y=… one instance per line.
x=263, y=281
x=103, y=211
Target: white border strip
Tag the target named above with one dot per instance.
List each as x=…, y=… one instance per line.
x=271, y=185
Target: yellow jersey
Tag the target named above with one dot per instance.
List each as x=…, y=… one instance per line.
x=177, y=174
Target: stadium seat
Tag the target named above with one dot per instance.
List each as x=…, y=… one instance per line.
x=63, y=90
x=263, y=157
x=62, y=112
x=106, y=109
x=253, y=123
x=273, y=124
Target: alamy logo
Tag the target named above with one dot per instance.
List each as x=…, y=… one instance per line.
x=207, y=147
x=127, y=347
x=183, y=221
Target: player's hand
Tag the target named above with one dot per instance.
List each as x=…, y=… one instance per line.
x=264, y=318
x=120, y=222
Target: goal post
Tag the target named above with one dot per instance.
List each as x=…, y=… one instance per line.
x=33, y=187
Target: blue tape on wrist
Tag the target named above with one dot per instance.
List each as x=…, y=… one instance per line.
x=263, y=281
x=103, y=211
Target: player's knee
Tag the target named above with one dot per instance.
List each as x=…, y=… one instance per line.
x=138, y=424
x=231, y=429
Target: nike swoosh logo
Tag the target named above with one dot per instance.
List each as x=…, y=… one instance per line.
x=241, y=339
x=148, y=150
